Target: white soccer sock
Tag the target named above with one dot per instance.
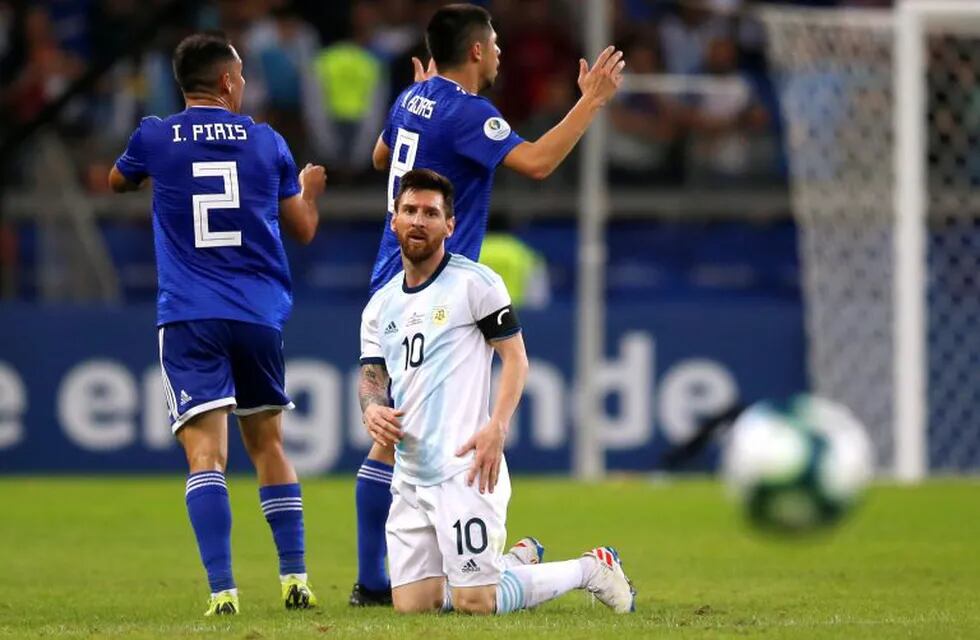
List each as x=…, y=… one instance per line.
x=447, y=598
x=511, y=561
x=527, y=586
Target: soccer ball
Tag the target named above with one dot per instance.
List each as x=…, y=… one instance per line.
x=797, y=466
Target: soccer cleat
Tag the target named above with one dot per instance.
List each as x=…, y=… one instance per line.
x=527, y=551
x=608, y=583
x=223, y=603
x=361, y=596
x=296, y=593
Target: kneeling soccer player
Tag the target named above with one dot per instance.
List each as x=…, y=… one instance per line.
x=433, y=329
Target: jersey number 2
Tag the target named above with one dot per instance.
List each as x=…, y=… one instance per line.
x=409, y=142
x=204, y=238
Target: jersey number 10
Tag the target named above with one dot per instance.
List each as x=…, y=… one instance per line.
x=414, y=350
x=204, y=238
x=466, y=536
x=409, y=142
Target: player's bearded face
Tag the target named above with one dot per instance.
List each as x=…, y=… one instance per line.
x=421, y=224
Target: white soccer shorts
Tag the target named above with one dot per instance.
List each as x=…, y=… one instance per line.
x=448, y=529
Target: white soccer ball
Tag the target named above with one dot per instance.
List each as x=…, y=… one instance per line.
x=797, y=466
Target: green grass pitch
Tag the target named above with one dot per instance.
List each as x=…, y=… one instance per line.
x=115, y=558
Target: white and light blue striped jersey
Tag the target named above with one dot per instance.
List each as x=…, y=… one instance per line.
x=434, y=340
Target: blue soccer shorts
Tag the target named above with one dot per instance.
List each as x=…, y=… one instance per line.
x=208, y=364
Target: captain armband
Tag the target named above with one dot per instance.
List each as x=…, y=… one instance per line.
x=502, y=323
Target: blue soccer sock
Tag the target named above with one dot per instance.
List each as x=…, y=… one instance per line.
x=210, y=514
x=282, y=505
x=373, y=498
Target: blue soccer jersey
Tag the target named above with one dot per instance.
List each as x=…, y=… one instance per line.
x=218, y=178
x=438, y=125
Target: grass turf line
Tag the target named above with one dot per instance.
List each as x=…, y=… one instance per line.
x=115, y=557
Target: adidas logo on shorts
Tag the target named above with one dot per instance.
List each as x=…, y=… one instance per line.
x=471, y=566
x=391, y=328
x=184, y=398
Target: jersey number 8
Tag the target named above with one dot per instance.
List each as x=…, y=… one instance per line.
x=204, y=238
x=408, y=141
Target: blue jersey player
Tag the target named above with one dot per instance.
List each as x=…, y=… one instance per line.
x=441, y=123
x=222, y=185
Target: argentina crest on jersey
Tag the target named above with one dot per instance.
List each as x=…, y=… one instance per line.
x=415, y=327
x=440, y=314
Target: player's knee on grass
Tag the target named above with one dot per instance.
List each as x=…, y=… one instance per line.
x=379, y=453
x=479, y=601
x=423, y=596
x=416, y=606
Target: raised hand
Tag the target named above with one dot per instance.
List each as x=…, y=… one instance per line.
x=312, y=180
x=601, y=82
x=421, y=73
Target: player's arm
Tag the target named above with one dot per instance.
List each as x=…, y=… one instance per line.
x=299, y=213
x=129, y=172
x=120, y=183
x=540, y=158
x=381, y=154
x=381, y=421
x=502, y=330
x=513, y=374
x=488, y=442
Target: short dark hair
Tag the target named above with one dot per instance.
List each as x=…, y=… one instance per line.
x=452, y=31
x=196, y=57
x=427, y=180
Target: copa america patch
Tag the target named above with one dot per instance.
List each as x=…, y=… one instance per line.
x=496, y=128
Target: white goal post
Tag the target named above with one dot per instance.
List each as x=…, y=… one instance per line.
x=883, y=119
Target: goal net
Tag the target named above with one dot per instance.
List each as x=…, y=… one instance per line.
x=882, y=114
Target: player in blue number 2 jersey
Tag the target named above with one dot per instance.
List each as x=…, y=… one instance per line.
x=222, y=185
x=440, y=123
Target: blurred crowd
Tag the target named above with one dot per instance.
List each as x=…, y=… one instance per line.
x=324, y=74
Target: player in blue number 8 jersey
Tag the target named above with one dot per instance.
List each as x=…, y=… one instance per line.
x=222, y=185
x=440, y=123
